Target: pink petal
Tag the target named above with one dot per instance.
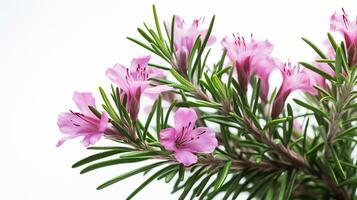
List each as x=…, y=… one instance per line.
x=91, y=139
x=62, y=140
x=75, y=126
x=140, y=61
x=154, y=92
x=133, y=105
x=185, y=157
x=337, y=23
x=154, y=72
x=168, y=138
x=185, y=118
x=279, y=101
x=203, y=140
x=104, y=122
x=119, y=75
x=83, y=100
x=69, y=123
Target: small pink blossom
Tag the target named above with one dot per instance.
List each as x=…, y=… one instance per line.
x=248, y=58
x=184, y=39
x=342, y=24
x=134, y=82
x=85, y=123
x=184, y=140
x=294, y=78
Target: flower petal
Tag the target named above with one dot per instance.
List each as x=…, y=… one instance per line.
x=154, y=92
x=203, y=140
x=185, y=118
x=62, y=140
x=168, y=138
x=83, y=100
x=70, y=123
x=119, y=74
x=103, y=123
x=91, y=139
x=140, y=61
x=185, y=157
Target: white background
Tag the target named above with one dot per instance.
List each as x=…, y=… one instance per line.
x=48, y=49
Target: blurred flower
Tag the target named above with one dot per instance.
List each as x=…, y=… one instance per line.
x=184, y=140
x=84, y=124
x=184, y=39
x=250, y=58
x=294, y=78
x=134, y=82
x=342, y=24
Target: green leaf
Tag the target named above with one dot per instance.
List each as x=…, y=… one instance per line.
x=170, y=176
x=146, y=36
x=142, y=154
x=142, y=44
x=312, y=108
x=195, y=47
x=287, y=137
x=173, y=104
x=338, y=66
x=190, y=182
x=219, y=86
x=222, y=175
x=305, y=133
x=110, y=148
x=274, y=122
x=262, y=185
x=199, y=103
x=204, y=43
x=149, y=118
x=95, y=111
x=283, y=179
x=110, y=163
x=348, y=164
x=187, y=85
x=340, y=170
x=350, y=131
x=157, y=22
x=290, y=185
x=97, y=156
x=181, y=172
x=318, y=71
x=221, y=61
x=349, y=181
x=172, y=34
x=332, y=41
x=317, y=50
x=147, y=181
x=109, y=108
x=224, y=123
x=158, y=117
x=198, y=190
x=130, y=173
x=255, y=96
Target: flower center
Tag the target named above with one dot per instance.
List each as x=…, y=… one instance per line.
x=290, y=70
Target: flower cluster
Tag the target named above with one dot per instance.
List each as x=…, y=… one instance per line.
x=248, y=57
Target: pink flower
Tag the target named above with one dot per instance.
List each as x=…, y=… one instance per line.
x=294, y=78
x=184, y=140
x=341, y=23
x=134, y=82
x=184, y=39
x=84, y=124
x=250, y=58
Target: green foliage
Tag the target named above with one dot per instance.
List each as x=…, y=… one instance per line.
x=262, y=157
